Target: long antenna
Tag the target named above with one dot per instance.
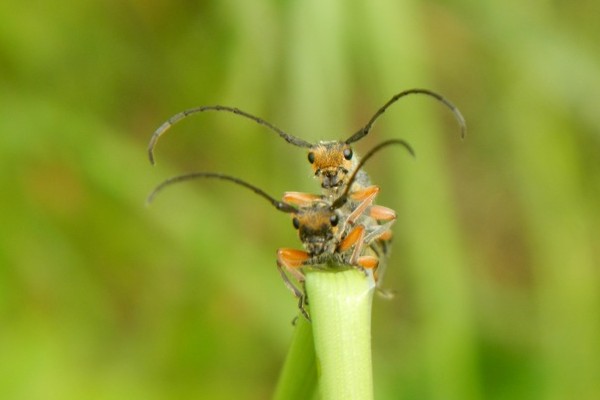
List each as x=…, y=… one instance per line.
x=178, y=117
x=457, y=114
x=280, y=205
x=340, y=201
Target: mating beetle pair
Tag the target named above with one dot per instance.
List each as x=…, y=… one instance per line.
x=342, y=225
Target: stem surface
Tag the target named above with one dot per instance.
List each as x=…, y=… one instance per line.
x=340, y=307
x=298, y=378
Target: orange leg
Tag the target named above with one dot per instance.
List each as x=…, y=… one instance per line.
x=385, y=236
x=380, y=232
x=368, y=262
x=290, y=260
x=363, y=194
x=352, y=238
x=381, y=213
x=355, y=238
x=366, y=198
x=300, y=199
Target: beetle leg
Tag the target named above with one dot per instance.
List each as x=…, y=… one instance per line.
x=362, y=194
x=300, y=198
x=368, y=262
x=381, y=213
x=380, y=232
x=385, y=236
x=366, y=198
x=290, y=260
x=358, y=248
x=377, y=212
x=355, y=238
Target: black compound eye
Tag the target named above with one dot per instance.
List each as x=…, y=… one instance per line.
x=348, y=153
x=296, y=222
x=333, y=220
x=311, y=157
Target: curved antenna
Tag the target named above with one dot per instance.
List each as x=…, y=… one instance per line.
x=457, y=114
x=340, y=201
x=179, y=116
x=280, y=205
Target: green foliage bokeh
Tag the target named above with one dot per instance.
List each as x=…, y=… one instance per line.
x=495, y=258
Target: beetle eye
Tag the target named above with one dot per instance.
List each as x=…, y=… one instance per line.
x=311, y=157
x=348, y=153
x=333, y=220
x=296, y=223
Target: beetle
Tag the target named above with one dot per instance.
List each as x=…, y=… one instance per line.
x=350, y=230
x=332, y=162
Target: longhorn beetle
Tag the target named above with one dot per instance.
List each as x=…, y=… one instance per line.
x=332, y=234
x=332, y=161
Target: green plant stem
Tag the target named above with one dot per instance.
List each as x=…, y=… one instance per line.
x=340, y=307
x=298, y=379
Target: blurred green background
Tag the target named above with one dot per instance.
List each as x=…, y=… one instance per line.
x=496, y=254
